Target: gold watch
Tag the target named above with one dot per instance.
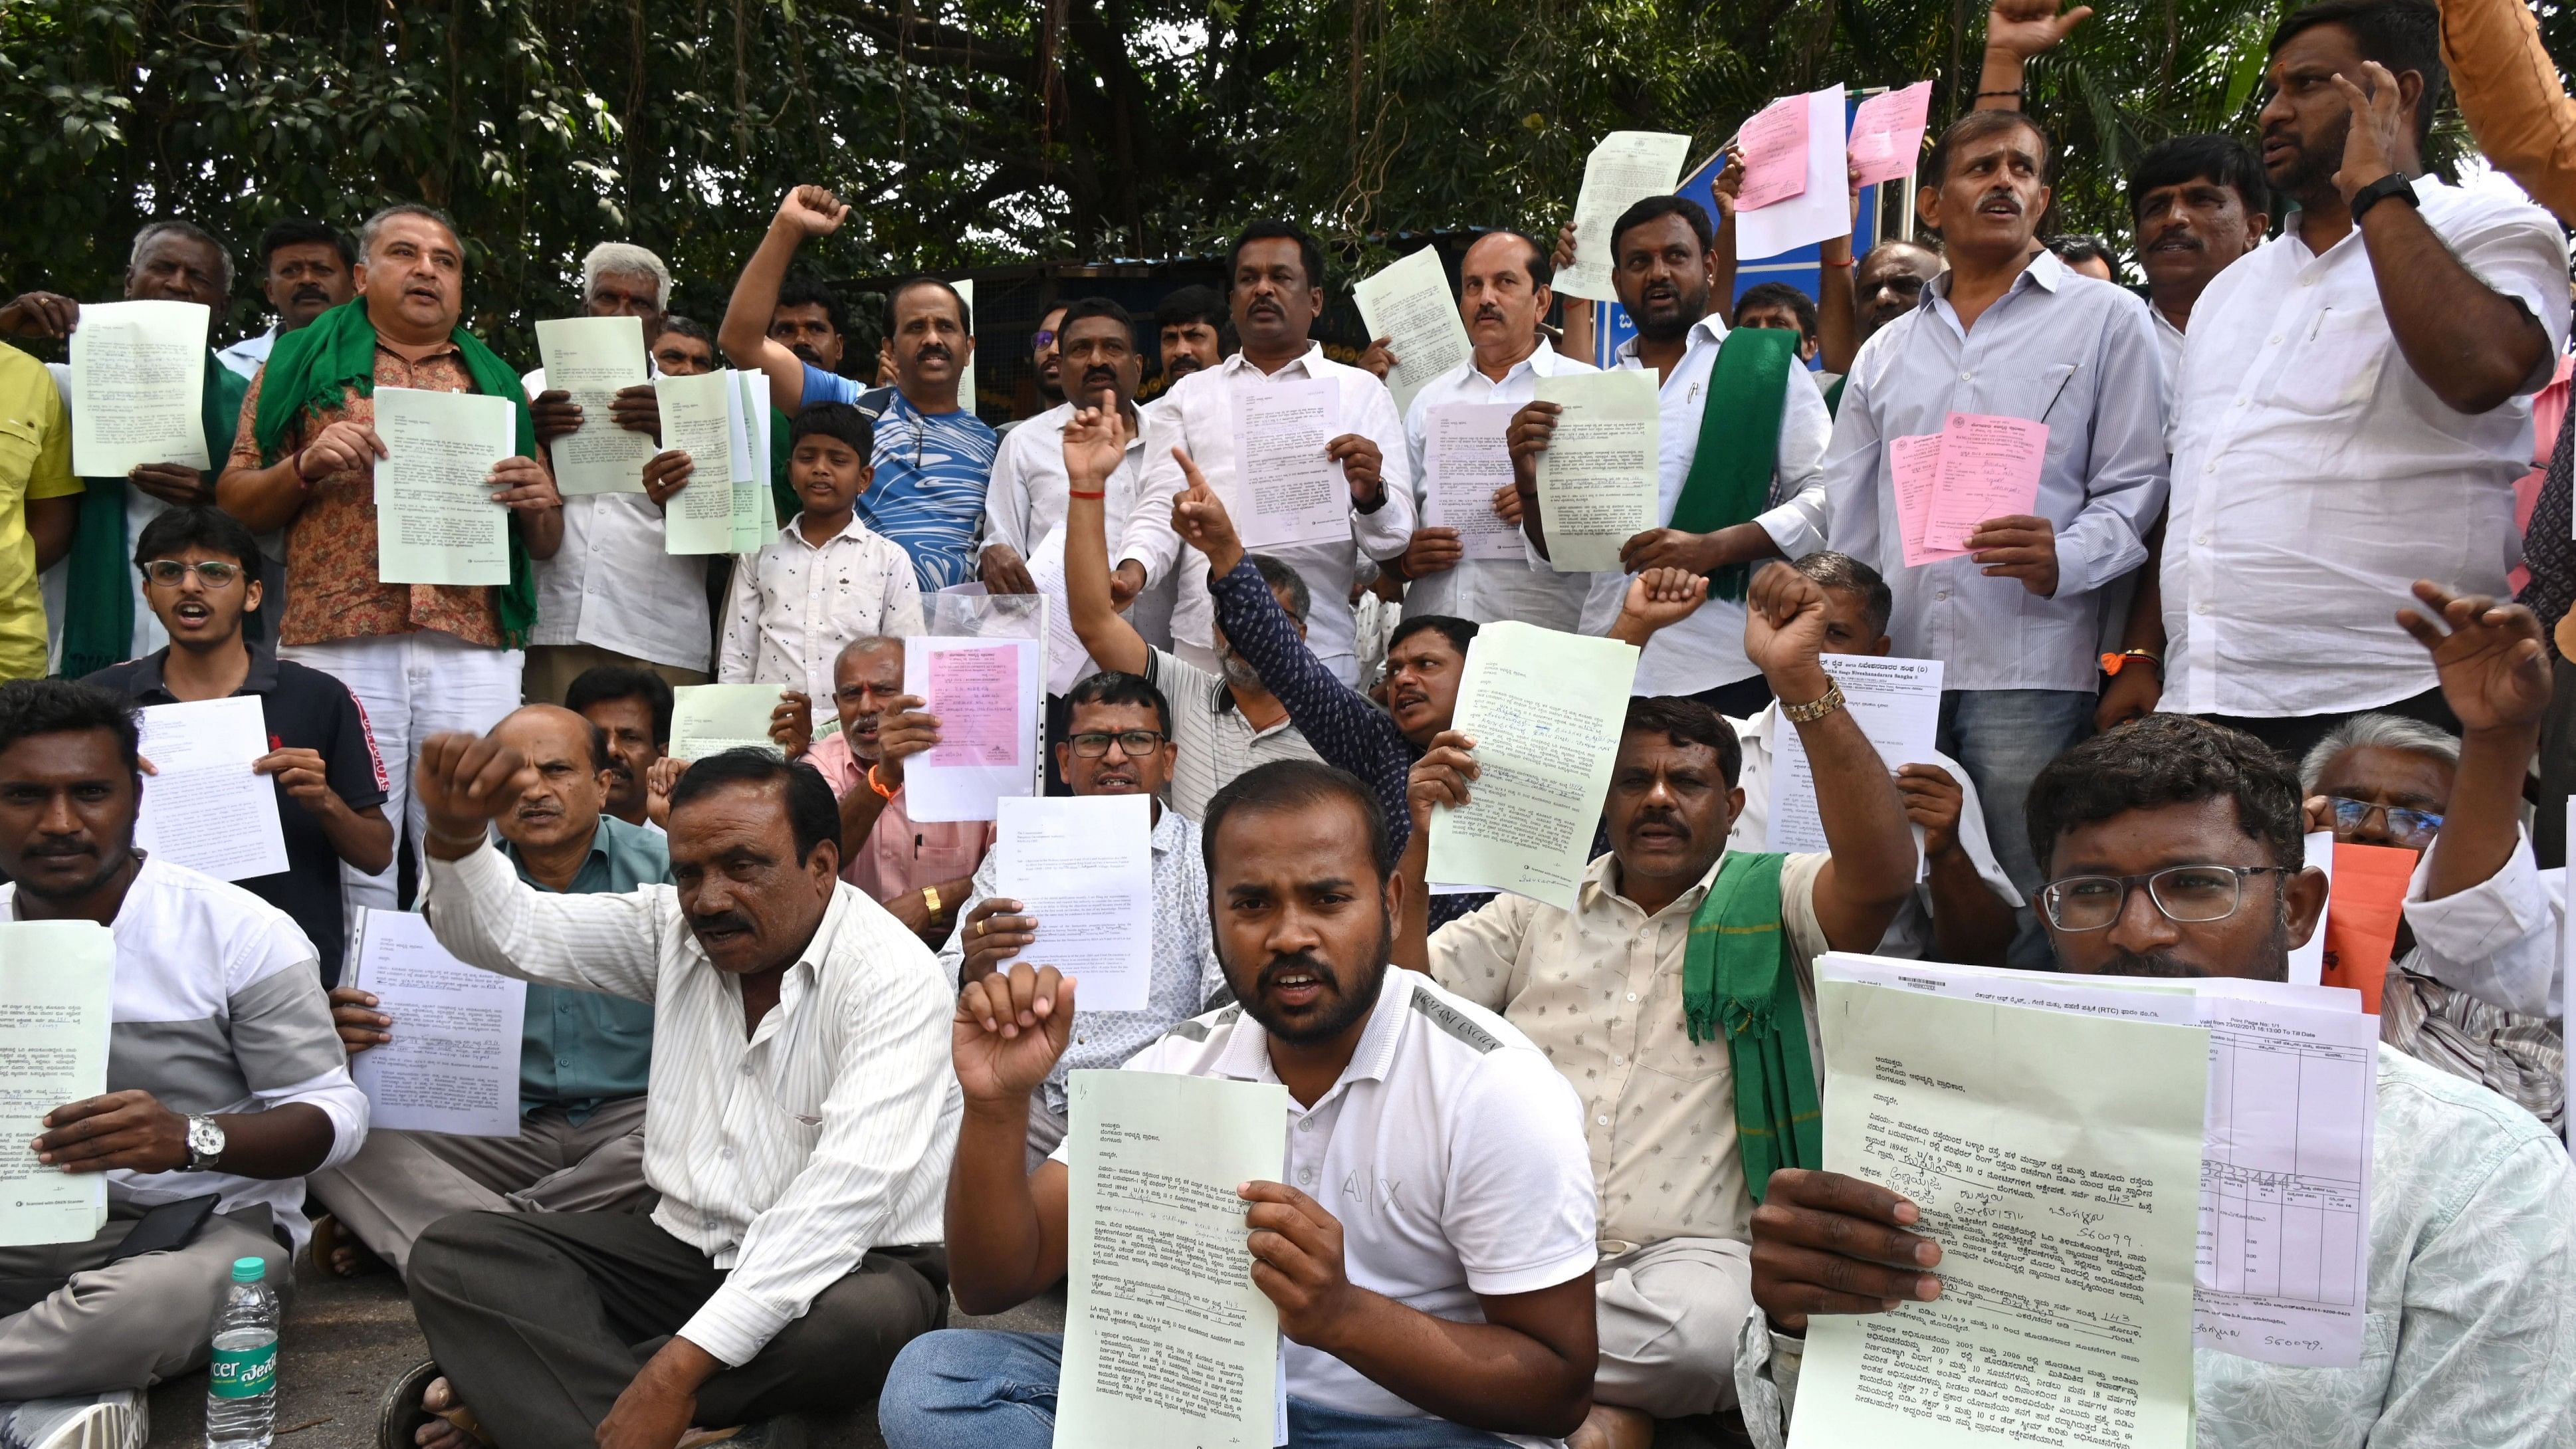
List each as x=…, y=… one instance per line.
x=1814, y=709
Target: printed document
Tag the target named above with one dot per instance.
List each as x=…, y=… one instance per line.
x=1896, y=702
x=1774, y=141
x=591, y=358
x=698, y=419
x=138, y=388
x=1599, y=481
x=204, y=808
x=1409, y=305
x=1820, y=209
x=755, y=515
x=453, y=1063
x=1068, y=663
x=1465, y=459
x=972, y=768
x=1545, y=710
x=1947, y=483
x=57, y=989
x=1887, y=133
x=1084, y=866
x=436, y=522
x=1166, y=1340
x=1289, y=490
x=1626, y=168
x=709, y=719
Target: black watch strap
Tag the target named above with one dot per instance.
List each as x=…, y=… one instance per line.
x=2395, y=183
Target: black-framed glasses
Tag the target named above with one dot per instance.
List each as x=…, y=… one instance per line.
x=2412, y=828
x=1041, y=340
x=1135, y=744
x=2190, y=894
x=213, y=573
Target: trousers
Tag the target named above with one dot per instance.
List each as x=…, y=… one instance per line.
x=73, y=1323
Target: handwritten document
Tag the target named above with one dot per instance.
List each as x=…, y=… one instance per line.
x=204, y=808
x=1887, y=133
x=1084, y=866
x=976, y=695
x=1896, y=702
x=709, y=719
x=1977, y=467
x=138, y=387
x=436, y=522
x=1465, y=459
x=57, y=988
x=1822, y=208
x=591, y=358
x=1290, y=491
x=1775, y=153
x=1545, y=710
x=1598, y=481
x=1166, y=1340
x=964, y=781
x=1409, y=305
x=453, y=1063
x=2056, y=1160
x=698, y=419
x=1626, y=168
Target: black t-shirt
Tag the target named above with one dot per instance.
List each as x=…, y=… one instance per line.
x=305, y=709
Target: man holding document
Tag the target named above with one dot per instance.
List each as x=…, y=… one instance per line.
x=1441, y=1299
x=2173, y=849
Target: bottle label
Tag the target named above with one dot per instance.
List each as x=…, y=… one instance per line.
x=242, y=1373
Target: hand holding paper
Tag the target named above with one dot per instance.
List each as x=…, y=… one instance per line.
x=1409, y=305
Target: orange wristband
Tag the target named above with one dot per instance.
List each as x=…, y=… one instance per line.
x=878, y=785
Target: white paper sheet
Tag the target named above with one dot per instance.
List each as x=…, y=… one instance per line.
x=949, y=792
x=1068, y=663
x=755, y=517
x=698, y=419
x=1599, y=480
x=436, y=522
x=1896, y=702
x=204, y=809
x=1289, y=490
x=1464, y=459
x=1084, y=866
x=138, y=387
x=2308, y=961
x=709, y=719
x=1625, y=168
x=1823, y=209
x=591, y=358
x=57, y=992
x=453, y=1063
x=1410, y=305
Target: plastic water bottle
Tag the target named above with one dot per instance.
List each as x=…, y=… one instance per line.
x=241, y=1375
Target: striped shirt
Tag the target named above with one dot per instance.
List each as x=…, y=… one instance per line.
x=1216, y=742
x=932, y=470
x=783, y=1158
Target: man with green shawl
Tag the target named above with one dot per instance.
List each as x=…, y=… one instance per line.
x=1740, y=476
x=421, y=658
x=1677, y=997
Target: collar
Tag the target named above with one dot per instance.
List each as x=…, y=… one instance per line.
x=596, y=855
x=1246, y=1057
x=1055, y=418
x=857, y=527
x=147, y=681
x=1238, y=364
x=1596, y=890
x=2044, y=270
x=1710, y=329
x=443, y=349
x=1171, y=833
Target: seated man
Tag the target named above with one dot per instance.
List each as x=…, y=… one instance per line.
x=1684, y=1116
x=802, y=1121
x=583, y=1056
x=632, y=707
x=1118, y=742
x=2471, y=1206
x=222, y=1078
x=2476, y=986
x=1466, y=1299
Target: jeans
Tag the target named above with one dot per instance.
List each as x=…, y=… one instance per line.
x=2005, y=737
x=979, y=1388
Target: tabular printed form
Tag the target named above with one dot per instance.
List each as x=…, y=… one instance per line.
x=138, y=387
x=1627, y=167
x=1896, y=702
x=453, y=1063
x=57, y=986
x=976, y=695
x=1084, y=866
x=1166, y=1340
x=970, y=706
x=1289, y=490
x=1989, y=469
x=436, y=522
x=1465, y=459
x=1887, y=133
x=592, y=358
x=1598, y=481
x=1409, y=305
x=203, y=807
x=1775, y=153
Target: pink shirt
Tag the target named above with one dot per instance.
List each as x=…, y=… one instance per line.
x=901, y=854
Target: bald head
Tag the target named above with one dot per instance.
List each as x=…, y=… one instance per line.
x=569, y=758
x=1890, y=280
x=865, y=678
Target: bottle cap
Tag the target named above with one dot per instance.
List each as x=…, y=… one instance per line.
x=249, y=1270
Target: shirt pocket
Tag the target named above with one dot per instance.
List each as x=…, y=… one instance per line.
x=1664, y=1046
x=2333, y=369
x=20, y=445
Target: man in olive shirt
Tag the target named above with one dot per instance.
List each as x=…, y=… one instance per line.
x=583, y=1058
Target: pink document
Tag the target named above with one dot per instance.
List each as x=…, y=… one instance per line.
x=1775, y=154
x=975, y=693
x=1989, y=469
x=1915, y=465
x=1887, y=133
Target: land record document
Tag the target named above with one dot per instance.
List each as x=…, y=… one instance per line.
x=1821, y=207
x=592, y=358
x=138, y=387
x=1545, y=710
x=1084, y=866
x=436, y=522
x=988, y=693
x=453, y=1063
x=1166, y=1340
x=1409, y=305
x=1626, y=168
x=698, y=419
x=709, y=719
x=203, y=807
x=1289, y=490
x=1896, y=702
x=1599, y=479
x=57, y=987
x=2056, y=1160
x=1466, y=457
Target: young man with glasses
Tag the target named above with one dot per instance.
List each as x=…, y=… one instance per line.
x=201, y=578
x=1119, y=743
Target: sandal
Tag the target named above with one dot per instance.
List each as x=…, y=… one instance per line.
x=399, y=1420
x=329, y=1237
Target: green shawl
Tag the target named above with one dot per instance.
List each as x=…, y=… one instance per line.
x=1736, y=979
x=1739, y=438
x=307, y=373
x=98, y=587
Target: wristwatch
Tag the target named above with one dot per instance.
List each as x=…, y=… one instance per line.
x=1814, y=709
x=2394, y=184
x=205, y=1144
x=930, y=898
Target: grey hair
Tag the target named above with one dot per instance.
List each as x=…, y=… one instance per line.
x=2377, y=732
x=866, y=641
x=1285, y=580
x=376, y=223
x=626, y=259
x=193, y=232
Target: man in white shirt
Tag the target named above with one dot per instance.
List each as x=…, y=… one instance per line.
x=798, y=1127
x=307, y=267
x=1276, y=279
x=1503, y=292
x=1448, y=1305
x=224, y=1078
x=613, y=594
x=2354, y=401
x=1665, y=270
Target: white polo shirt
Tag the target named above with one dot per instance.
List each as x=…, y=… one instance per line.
x=1451, y=1150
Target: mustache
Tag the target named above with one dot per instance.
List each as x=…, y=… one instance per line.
x=2150, y=963
x=930, y=350
x=1185, y=364
x=1305, y=962
x=311, y=293
x=719, y=921
x=1489, y=313
x=61, y=850
x=806, y=353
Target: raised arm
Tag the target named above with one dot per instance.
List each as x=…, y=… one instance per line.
x=2495, y=677
x=807, y=211
x=2510, y=96
x=1094, y=443
x=2016, y=31
x=1837, y=290
x=1006, y=1225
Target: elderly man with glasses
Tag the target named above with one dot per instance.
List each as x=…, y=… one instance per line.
x=1119, y=743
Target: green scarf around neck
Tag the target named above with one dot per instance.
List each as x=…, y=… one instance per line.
x=98, y=585
x=1739, y=439
x=307, y=373
x=1737, y=981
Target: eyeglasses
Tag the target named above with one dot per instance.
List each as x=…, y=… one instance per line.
x=213, y=574
x=2190, y=894
x=1135, y=744
x=1041, y=340
x=2413, y=828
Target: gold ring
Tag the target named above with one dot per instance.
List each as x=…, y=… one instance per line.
x=981, y=926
